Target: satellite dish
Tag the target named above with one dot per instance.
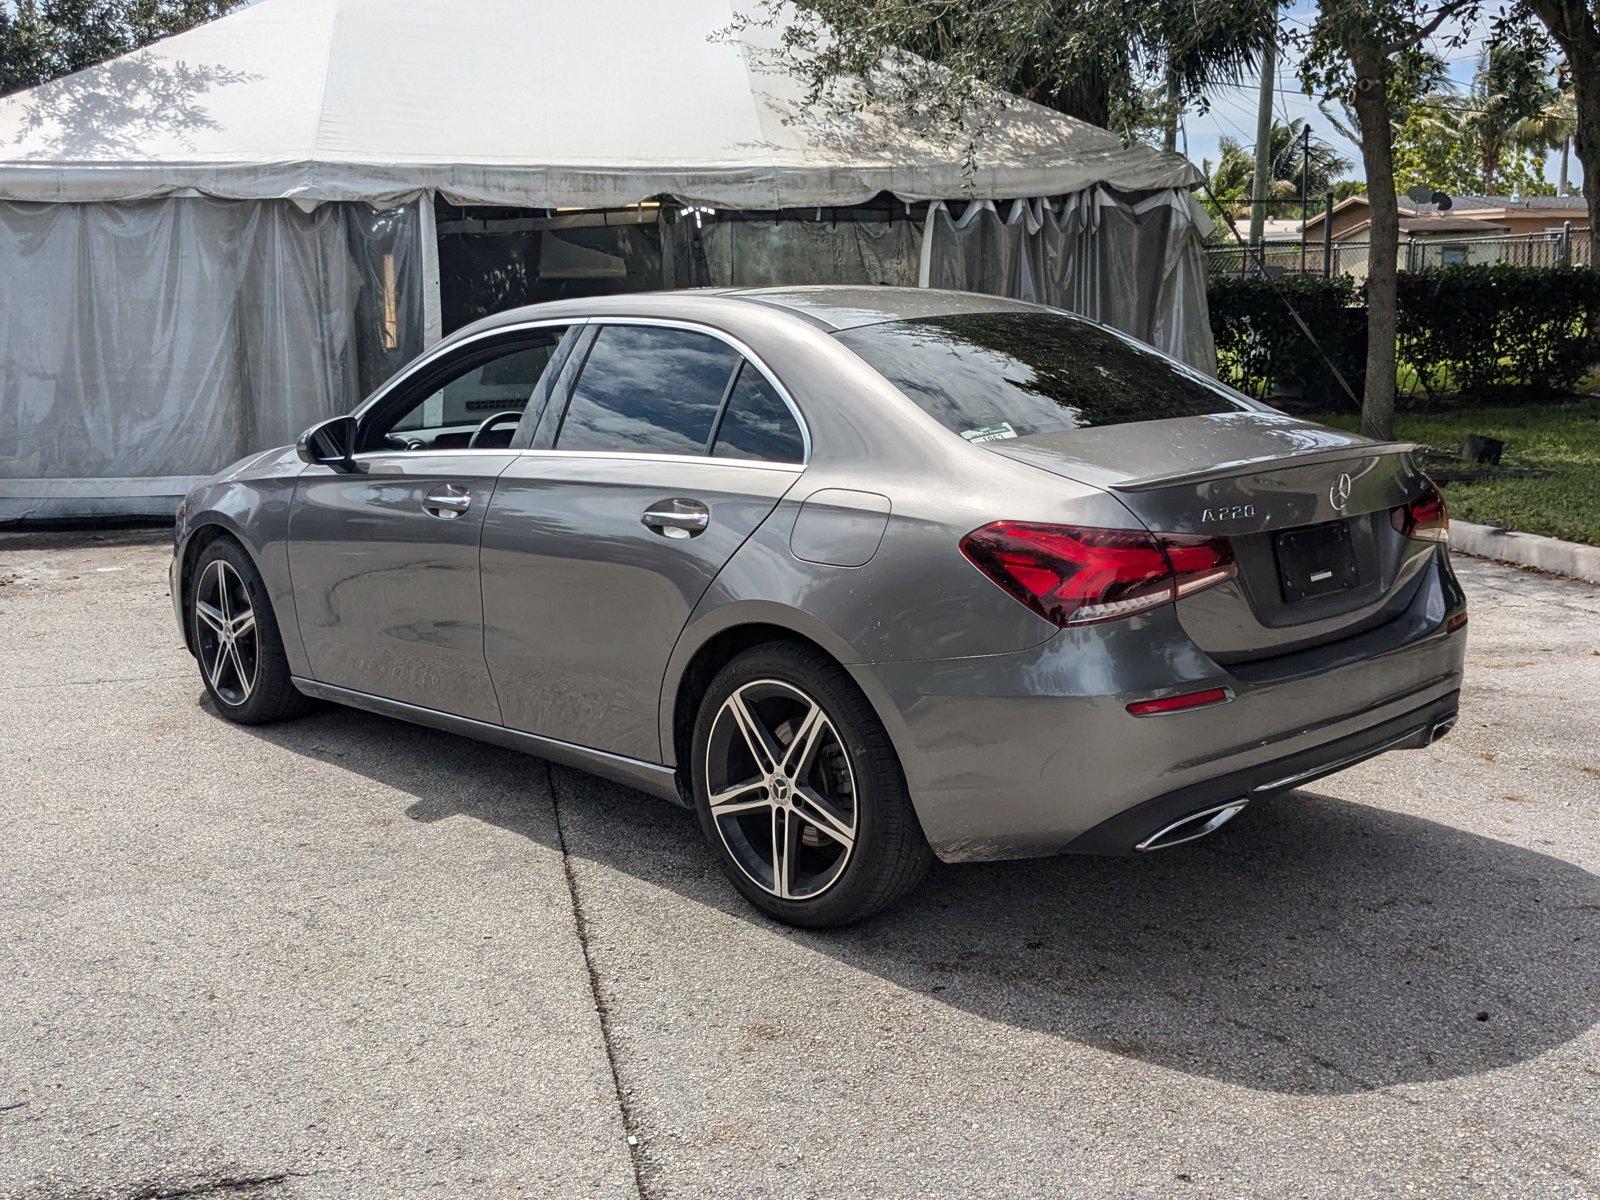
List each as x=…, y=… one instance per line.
x=1442, y=201
x=1421, y=194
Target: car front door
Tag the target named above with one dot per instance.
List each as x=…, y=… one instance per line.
x=674, y=446
x=384, y=556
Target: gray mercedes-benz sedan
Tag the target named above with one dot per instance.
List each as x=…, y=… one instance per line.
x=866, y=576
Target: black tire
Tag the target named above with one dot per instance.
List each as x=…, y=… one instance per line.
x=270, y=694
x=889, y=855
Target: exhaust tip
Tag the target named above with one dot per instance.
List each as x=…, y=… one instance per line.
x=1195, y=825
x=1440, y=728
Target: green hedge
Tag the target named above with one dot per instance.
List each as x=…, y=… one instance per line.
x=1489, y=332
x=1482, y=332
x=1260, y=348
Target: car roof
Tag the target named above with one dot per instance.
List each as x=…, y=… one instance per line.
x=830, y=307
x=846, y=306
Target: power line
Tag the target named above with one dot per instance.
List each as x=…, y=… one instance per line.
x=1245, y=139
x=1313, y=101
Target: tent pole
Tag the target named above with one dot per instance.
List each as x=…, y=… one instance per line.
x=669, y=261
x=925, y=257
x=432, y=318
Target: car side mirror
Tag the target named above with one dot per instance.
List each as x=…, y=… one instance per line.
x=330, y=444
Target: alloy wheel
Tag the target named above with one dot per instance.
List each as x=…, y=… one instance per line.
x=225, y=626
x=780, y=789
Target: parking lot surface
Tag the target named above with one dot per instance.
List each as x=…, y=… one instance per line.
x=344, y=956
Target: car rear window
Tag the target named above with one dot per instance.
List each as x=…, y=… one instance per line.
x=997, y=375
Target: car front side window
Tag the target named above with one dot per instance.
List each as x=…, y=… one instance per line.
x=474, y=401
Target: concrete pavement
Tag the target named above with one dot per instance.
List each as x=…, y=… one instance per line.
x=347, y=957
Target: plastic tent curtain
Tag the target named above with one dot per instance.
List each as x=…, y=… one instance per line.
x=168, y=338
x=488, y=270
x=756, y=253
x=1136, y=265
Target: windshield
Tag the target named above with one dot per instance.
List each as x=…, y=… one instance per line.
x=998, y=375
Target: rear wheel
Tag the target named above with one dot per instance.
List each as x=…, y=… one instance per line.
x=235, y=638
x=799, y=792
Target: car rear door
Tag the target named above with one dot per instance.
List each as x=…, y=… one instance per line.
x=384, y=556
x=674, y=446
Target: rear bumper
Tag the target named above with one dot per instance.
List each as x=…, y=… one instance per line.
x=1129, y=829
x=1033, y=753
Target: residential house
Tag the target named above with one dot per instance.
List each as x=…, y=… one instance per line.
x=1474, y=229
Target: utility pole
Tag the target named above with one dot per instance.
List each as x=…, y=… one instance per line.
x=1305, y=190
x=1169, y=139
x=1327, y=237
x=1258, y=198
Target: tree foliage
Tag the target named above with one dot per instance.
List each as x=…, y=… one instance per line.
x=949, y=64
x=1575, y=27
x=1288, y=155
x=1555, y=125
x=1366, y=55
x=1491, y=137
x=41, y=40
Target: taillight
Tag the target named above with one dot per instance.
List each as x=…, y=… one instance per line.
x=1424, y=517
x=1072, y=575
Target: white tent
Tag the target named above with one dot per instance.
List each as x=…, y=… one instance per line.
x=558, y=103
x=210, y=242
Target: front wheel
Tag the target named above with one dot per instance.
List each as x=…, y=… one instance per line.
x=235, y=639
x=799, y=792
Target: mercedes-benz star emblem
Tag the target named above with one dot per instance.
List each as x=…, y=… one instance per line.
x=1339, y=493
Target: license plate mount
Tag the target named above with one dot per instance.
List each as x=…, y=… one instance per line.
x=1316, y=560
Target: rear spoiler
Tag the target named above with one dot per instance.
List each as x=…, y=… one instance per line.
x=1247, y=466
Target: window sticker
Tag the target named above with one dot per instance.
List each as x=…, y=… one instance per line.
x=990, y=433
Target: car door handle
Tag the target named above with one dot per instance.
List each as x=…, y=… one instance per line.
x=447, y=502
x=677, y=518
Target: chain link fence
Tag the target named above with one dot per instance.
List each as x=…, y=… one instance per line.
x=1558, y=248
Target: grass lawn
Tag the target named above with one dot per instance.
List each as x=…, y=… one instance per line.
x=1563, y=439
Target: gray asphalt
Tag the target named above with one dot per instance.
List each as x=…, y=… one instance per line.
x=347, y=957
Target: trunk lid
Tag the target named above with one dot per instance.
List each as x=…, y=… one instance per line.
x=1306, y=510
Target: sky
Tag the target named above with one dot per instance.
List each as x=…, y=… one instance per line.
x=1233, y=109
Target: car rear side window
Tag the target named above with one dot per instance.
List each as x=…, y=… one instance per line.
x=997, y=375
x=758, y=424
x=648, y=390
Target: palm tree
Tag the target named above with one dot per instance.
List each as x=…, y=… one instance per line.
x=1288, y=151
x=1511, y=86
x=1552, y=128
x=1297, y=159
x=1469, y=140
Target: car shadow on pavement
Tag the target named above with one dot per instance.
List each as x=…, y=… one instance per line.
x=1317, y=946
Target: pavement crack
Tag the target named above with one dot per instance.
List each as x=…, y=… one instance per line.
x=61, y=683
x=209, y=1186
x=602, y=1010
x=1320, y=1060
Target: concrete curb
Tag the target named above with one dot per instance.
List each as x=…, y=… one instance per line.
x=1527, y=550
